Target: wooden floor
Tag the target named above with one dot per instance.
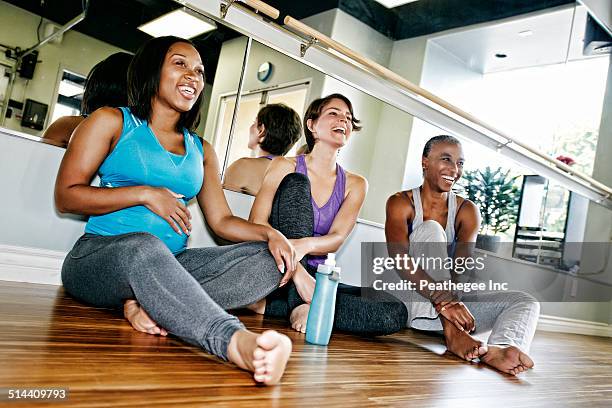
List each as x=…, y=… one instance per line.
x=48, y=340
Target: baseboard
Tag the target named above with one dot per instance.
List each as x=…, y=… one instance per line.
x=573, y=326
x=32, y=265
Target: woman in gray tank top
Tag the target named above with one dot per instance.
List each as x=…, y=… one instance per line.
x=431, y=222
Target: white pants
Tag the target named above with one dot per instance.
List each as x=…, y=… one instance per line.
x=511, y=316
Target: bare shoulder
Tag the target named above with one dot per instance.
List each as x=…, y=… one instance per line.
x=247, y=168
x=356, y=182
x=103, y=125
x=282, y=165
x=58, y=133
x=112, y=115
x=206, y=145
x=467, y=208
x=399, y=203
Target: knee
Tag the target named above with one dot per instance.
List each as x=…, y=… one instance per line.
x=295, y=182
x=141, y=247
x=430, y=231
x=525, y=300
x=397, y=318
x=264, y=261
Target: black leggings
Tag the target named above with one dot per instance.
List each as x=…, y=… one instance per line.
x=363, y=311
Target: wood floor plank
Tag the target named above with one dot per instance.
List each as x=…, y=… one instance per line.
x=49, y=340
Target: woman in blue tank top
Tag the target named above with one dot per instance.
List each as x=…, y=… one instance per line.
x=133, y=254
x=315, y=202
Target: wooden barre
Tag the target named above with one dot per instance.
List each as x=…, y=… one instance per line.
x=263, y=8
x=403, y=82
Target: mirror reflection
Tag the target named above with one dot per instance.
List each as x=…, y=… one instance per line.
x=38, y=88
x=534, y=75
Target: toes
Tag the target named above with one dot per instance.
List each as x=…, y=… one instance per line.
x=268, y=340
x=259, y=377
x=259, y=363
x=259, y=355
x=525, y=360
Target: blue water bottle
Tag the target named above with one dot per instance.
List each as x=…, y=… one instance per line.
x=323, y=306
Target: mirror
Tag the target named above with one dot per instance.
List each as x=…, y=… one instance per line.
x=536, y=84
x=53, y=81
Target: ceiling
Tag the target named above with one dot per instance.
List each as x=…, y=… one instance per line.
x=551, y=37
x=116, y=21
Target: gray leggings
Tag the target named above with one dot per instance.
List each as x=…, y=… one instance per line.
x=185, y=294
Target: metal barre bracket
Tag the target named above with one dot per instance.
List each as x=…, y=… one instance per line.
x=225, y=7
x=305, y=46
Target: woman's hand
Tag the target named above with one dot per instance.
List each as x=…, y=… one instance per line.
x=304, y=283
x=139, y=319
x=459, y=315
x=166, y=204
x=283, y=253
x=301, y=248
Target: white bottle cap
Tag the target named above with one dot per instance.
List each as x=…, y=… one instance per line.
x=331, y=259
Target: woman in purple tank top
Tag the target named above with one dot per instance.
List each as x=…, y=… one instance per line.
x=314, y=202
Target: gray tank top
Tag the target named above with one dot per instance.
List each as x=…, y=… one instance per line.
x=450, y=220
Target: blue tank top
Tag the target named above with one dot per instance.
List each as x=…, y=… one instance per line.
x=139, y=159
x=324, y=216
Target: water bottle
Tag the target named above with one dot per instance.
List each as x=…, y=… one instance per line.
x=323, y=306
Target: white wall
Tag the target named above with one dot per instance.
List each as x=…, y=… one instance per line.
x=389, y=155
x=77, y=53
x=361, y=38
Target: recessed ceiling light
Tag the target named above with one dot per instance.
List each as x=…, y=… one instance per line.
x=500, y=55
x=181, y=23
x=394, y=3
x=525, y=33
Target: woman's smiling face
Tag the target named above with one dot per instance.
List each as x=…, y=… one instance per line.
x=443, y=166
x=334, y=125
x=182, y=77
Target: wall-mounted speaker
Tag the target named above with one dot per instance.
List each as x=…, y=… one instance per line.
x=28, y=64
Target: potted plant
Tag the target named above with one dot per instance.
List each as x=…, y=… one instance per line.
x=497, y=196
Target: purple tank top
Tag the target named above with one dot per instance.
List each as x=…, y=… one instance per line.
x=324, y=216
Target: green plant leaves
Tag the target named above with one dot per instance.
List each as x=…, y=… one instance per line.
x=496, y=195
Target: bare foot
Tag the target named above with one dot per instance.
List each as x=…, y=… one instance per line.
x=299, y=317
x=265, y=355
x=258, y=307
x=508, y=359
x=304, y=283
x=140, y=320
x=461, y=343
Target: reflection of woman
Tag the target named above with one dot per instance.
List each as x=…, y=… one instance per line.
x=275, y=130
x=106, y=85
x=414, y=225
x=315, y=202
x=134, y=246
